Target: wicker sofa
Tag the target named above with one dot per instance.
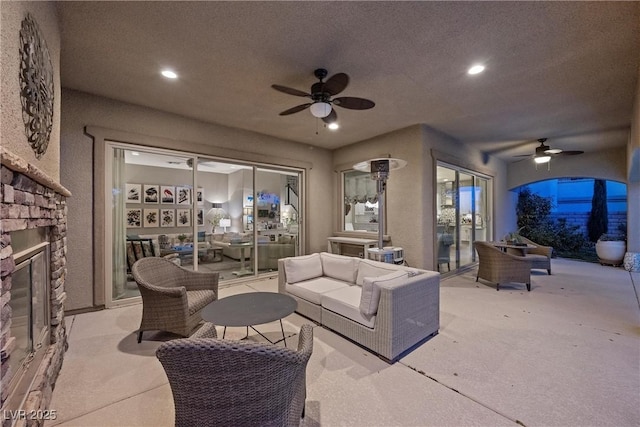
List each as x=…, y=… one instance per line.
x=386, y=308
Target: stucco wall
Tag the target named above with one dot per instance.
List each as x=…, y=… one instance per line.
x=607, y=164
x=174, y=132
x=409, y=195
x=12, y=126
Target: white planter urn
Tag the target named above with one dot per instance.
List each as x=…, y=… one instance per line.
x=611, y=252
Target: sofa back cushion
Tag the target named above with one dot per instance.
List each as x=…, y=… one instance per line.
x=302, y=268
x=340, y=267
x=371, y=290
x=368, y=268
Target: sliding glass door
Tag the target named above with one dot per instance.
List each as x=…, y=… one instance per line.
x=463, y=216
x=204, y=214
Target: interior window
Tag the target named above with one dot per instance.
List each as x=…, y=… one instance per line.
x=360, y=202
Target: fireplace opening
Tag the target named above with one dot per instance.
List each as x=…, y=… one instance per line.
x=30, y=311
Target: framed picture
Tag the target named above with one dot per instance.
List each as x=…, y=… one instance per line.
x=200, y=216
x=183, y=195
x=199, y=196
x=133, y=193
x=150, y=218
x=134, y=218
x=167, y=217
x=167, y=194
x=151, y=193
x=183, y=217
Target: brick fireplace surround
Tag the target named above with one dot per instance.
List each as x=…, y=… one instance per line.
x=31, y=199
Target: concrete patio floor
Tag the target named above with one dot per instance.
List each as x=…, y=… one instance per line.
x=565, y=354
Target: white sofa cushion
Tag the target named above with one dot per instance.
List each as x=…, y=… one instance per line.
x=345, y=302
x=303, y=268
x=368, y=268
x=339, y=267
x=313, y=289
x=371, y=290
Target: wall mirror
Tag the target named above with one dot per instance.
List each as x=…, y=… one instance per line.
x=360, y=207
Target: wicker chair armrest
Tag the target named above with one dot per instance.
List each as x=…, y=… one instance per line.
x=196, y=280
x=305, y=340
x=174, y=292
x=515, y=258
x=542, y=250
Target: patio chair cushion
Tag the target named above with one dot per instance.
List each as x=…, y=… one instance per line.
x=371, y=290
x=367, y=268
x=303, y=268
x=339, y=267
x=345, y=302
x=313, y=289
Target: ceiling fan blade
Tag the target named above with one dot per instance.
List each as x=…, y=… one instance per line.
x=569, y=153
x=336, y=84
x=295, y=109
x=354, y=103
x=290, y=91
x=331, y=118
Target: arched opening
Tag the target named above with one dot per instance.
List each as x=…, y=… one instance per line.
x=570, y=214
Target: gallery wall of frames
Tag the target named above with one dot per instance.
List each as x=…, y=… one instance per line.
x=158, y=205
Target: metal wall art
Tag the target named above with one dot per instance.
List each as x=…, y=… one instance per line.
x=36, y=86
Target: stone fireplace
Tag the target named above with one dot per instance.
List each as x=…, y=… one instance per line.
x=33, y=245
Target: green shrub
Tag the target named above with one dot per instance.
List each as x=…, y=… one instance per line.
x=533, y=216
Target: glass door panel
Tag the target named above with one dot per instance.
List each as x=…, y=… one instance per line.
x=151, y=213
x=446, y=230
x=209, y=219
x=276, y=220
x=463, y=215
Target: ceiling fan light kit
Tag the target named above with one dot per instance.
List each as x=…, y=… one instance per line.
x=544, y=153
x=321, y=105
x=542, y=159
x=320, y=109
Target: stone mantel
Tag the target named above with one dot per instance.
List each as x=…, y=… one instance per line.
x=20, y=165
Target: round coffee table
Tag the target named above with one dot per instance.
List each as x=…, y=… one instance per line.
x=254, y=308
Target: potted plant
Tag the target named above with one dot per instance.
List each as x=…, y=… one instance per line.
x=182, y=238
x=513, y=237
x=610, y=249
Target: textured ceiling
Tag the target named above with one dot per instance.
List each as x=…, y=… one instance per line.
x=562, y=70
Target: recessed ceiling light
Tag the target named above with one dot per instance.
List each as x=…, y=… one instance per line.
x=333, y=126
x=135, y=153
x=169, y=74
x=476, y=69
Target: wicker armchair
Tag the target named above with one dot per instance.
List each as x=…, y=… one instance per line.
x=236, y=383
x=172, y=297
x=540, y=256
x=500, y=267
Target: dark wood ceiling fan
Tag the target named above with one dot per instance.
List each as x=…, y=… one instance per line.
x=544, y=153
x=321, y=96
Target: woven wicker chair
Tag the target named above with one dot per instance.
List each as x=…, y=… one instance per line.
x=540, y=256
x=172, y=297
x=236, y=383
x=500, y=267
